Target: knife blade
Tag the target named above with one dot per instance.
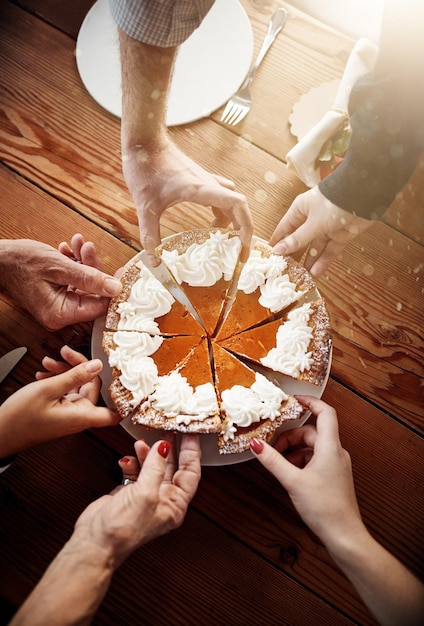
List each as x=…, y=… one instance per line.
x=9, y=360
x=164, y=276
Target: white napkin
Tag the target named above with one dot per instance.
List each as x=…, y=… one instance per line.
x=302, y=157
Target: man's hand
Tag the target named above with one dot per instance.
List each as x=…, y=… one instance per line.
x=164, y=176
x=54, y=288
x=314, y=221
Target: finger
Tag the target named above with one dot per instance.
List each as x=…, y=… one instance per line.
x=154, y=466
x=284, y=471
x=142, y=450
x=74, y=378
x=130, y=467
x=221, y=219
x=289, y=223
x=233, y=204
x=304, y=436
x=90, y=256
x=319, y=264
x=65, y=249
x=188, y=474
x=88, y=279
x=225, y=182
x=54, y=367
x=149, y=235
x=326, y=423
x=100, y=417
x=71, y=356
x=297, y=240
x=77, y=241
x=300, y=458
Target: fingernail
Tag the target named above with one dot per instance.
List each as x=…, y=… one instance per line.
x=124, y=459
x=141, y=439
x=164, y=448
x=256, y=445
x=93, y=366
x=113, y=286
x=280, y=248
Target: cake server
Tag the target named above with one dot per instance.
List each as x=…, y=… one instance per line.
x=9, y=360
x=164, y=276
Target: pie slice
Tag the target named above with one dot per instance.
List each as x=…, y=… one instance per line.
x=297, y=345
x=251, y=405
x=146, y=305
x=203, y=262
x=184, y=400
x=138, y=360
x=269, y=284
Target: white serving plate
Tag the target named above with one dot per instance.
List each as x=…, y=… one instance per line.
x=209, y=446
x=210, y=65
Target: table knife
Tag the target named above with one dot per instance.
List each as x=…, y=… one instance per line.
x=9, y=360
x=164, y=276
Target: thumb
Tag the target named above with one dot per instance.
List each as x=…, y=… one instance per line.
x=284, y=471
x=90, y=279
x=74, y=378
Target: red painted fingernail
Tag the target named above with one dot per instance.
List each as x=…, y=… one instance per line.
x=124, y=459
x=164, y=448
x=256, y=445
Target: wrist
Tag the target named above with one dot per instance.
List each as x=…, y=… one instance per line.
x=348, y=546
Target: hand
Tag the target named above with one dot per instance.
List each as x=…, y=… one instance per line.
x=316, y=473
x=81, y=251
x=314, y=221
x=56, y=290
x=54, y=406
x=153, y=505
x=163, y=176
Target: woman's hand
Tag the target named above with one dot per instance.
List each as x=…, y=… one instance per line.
x=315, y=222
x=155, y=503
x=54, y=405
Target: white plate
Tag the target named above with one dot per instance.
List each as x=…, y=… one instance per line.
x=210, y=66
x=311, y=108
x=209, y=443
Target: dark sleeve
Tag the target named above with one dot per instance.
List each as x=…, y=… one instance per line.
x=386, y=110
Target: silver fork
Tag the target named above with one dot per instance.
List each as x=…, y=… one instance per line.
x=239, y=104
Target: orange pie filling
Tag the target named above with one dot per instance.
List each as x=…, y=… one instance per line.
x=169, y=373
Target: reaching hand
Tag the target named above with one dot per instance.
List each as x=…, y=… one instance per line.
x=56, y=290
x=314, y=221
x=316, y=473
x=54, y=406
x=164, y=177
x=151, y=506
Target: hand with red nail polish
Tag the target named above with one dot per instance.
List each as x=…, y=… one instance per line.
x=61, y=402
x=163, y=483
x=317, y=473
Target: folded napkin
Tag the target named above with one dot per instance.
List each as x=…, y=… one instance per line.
x=303, y=156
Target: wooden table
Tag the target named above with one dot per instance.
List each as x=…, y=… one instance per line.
x=242, y=556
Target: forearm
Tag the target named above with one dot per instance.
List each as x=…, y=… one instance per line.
x=389, y=590
x=146, y=74
x=71, y=589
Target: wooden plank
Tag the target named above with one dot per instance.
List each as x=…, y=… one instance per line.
x=375, y=296
x=195, y=571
